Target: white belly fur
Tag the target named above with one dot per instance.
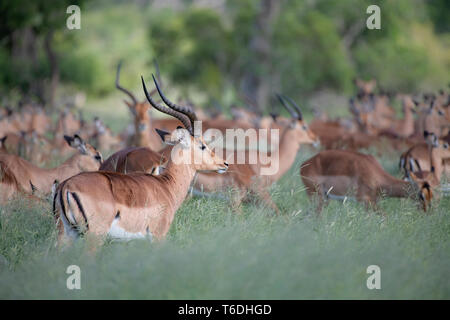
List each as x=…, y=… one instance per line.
x=117, y=232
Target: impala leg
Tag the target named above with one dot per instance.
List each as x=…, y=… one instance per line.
x=264, y=194
x=315, y=194
x=63, y=240
x=236, y=200
x=369, y=199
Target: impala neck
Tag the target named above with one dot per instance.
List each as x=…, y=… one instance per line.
x=436, y=162
x=286, y=153
x=408, y=120
x=47, y=176
x=179, y=175
x=397, y=188
x=148, y=138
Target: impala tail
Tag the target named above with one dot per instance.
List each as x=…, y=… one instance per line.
x=68, y=208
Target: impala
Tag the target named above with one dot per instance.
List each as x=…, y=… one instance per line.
x=403, y=128
x=136, y=205
x=18, y=175
x=143, y=135
x=104, y=139
x=341, y=173
x=429, y=157
x=365, y=87
x=67, y=124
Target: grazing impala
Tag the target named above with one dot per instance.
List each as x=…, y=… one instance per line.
x=19, y=175
x=136, y=205
x=342, y=173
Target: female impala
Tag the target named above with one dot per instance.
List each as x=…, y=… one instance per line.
x=339, y=173
x=421, y=156
x=136, y=205
x=19, y=175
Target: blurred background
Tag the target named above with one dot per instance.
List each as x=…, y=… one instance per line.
x=219, y=53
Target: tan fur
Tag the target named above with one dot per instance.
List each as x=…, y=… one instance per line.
x=141, y=202
x=343, y=173
x=247, y=177
x=134, y=159
x=31, y=179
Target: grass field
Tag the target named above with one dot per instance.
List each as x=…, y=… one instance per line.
x=212, y=253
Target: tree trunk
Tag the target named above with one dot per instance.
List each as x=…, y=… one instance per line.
x=256, y=81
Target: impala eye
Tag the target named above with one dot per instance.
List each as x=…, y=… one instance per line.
x=440, y=113
x=203, y=147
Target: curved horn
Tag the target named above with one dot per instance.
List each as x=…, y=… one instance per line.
x=133, y=98
x=189, y=113
x=295, y=105
x=183, y=118
x=288, y=108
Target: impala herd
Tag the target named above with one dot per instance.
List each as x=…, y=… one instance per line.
x=136, y=192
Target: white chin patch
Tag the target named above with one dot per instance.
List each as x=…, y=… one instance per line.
x=221, y=171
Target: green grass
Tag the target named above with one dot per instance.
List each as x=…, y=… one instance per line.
x=212, y=253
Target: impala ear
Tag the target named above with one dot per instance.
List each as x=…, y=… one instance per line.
x=77, y=143
x=69, y=140
x=163, y=134
x=274, y=116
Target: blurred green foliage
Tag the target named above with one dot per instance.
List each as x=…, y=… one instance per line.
x=314, y=45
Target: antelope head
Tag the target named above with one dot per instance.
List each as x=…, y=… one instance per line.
x=303, y=135
x=421, y=181
x=188, y=148
x=89, y=159
x=365, y=87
